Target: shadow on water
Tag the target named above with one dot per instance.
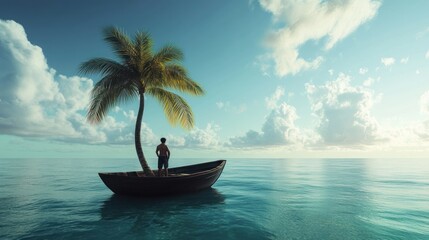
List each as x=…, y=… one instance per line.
x=118, y=206
x=201, y=215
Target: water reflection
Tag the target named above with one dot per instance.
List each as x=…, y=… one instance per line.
x=202, y=215
x=118, y=206
x=345, y=194
x=319, y=198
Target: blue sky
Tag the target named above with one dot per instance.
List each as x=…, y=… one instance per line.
x=282, y=78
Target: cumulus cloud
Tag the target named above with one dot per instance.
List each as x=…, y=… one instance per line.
x=405, y=60
x=198, y=138
x=29, y=86
x=422, y=129
x=203, y=138
x=273, y=99
x=312, y=20
x=363, y=71
x=262, y=61
x=424, y=103
x=388, y=61
x=427, y=55
x=344, y=114
x=423, y=33
x=279, y=129
x=414, y=135
x=228, y=107
x=369, y=82
x=220, y=105
x=35, y=101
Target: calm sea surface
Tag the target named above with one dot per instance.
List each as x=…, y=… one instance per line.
x=253, y=199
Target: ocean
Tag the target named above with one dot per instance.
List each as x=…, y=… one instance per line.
x=253, y=199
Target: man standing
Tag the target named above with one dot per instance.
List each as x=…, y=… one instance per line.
x=163, y=154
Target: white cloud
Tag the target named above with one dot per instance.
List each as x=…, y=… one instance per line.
x=422, y=131
x=220, y=105
x=262, y=62
x=203, y=138
x=28, y=85
x=418, y=133
x=37, y=102
x=131, y=115
x=344, y=113
x=405, y=60
x=423, y=33
x=427, y=55
x=273, y=100
x=175, y=141
x=344, y=122
x=388, y=61
x=424, y=103
x=368, y=82
x=312, y=20
x=228, y=107
x=363, y=71
x=279, y=127
x=198, y=138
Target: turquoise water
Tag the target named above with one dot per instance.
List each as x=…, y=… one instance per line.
x=253, y=199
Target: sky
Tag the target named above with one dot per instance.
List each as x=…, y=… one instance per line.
x=283, y=78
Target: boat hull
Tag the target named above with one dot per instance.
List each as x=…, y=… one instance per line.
x=180, y=180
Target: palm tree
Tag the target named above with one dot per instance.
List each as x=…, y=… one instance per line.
x=140, y=71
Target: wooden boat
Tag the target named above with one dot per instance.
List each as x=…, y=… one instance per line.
x=184, y=179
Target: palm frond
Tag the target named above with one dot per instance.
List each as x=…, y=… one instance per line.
x=168, y=54
x=175, y=107
x=143, y=44
x=102, y=65
x=153, y=73
x=120, y=42
x=107, y=93
x=177, y=78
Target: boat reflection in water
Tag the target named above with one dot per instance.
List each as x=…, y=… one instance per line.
x=119, y=206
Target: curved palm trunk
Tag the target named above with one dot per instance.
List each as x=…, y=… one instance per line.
x=138, y=144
